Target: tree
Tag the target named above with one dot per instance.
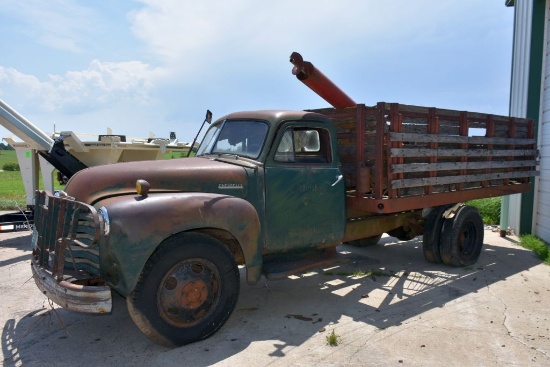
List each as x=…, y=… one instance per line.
x=5, y=147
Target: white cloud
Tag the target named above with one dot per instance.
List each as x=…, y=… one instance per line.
x=195, y=39
x=102, y=84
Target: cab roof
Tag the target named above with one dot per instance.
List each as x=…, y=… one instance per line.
x=273, y=116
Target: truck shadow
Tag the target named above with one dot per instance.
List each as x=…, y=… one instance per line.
x=17, y=240
x=379, y=287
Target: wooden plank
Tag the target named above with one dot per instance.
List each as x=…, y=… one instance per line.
x=433, y=138
x=422, y=152
x=423, y=167
x=446, y=180
x=420, y=111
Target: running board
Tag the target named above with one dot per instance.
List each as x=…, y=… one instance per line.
x=284, y=265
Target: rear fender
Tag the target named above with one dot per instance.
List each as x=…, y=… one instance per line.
x=139, y=224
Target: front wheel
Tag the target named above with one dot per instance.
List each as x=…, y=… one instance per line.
x=187, y=290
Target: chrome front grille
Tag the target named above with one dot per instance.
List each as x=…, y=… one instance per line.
x=68, y=227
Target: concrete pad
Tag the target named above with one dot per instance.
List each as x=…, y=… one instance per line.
x=406, y=312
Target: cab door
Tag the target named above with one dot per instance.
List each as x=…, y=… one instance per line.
x=304, y=189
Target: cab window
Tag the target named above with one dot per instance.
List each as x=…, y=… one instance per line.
x=304, y=145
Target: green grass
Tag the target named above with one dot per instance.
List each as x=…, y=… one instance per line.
x=333, y=339
x=7, y=156
x=488, y=208
x=12, y=190
x=538, y=246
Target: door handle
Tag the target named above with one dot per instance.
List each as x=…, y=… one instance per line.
x=338, y=179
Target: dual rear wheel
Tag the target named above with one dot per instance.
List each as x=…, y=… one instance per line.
x=455, y=241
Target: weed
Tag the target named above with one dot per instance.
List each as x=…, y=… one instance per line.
x=360, y=273
x=538, y=246
x=488, y=208
x=9, y=204
x=11, y=167
x=333, y=339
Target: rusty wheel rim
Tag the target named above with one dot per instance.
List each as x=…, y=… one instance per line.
x=189, y=292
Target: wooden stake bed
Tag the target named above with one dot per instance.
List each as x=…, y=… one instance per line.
x=413, y=157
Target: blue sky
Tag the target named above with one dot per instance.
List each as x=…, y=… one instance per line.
x=155, y=66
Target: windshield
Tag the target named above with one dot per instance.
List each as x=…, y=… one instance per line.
x=240, y=137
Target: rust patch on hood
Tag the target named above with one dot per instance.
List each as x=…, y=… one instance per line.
x=175, y=175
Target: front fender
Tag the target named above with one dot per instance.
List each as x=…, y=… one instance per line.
x=139, y=224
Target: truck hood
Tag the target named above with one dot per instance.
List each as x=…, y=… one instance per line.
x=175, y=175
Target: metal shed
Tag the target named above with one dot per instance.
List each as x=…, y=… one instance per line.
x=530, y=97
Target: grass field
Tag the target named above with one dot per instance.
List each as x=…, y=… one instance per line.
x=7, y=156
x=12, y=190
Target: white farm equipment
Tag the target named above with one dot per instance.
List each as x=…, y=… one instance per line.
x=65, y=151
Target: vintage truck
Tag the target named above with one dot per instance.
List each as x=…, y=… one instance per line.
x=275, y=192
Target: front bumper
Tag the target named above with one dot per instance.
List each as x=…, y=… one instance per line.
x=65, y=261
x=75, y=297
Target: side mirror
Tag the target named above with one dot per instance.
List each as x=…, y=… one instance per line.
x=207, y=118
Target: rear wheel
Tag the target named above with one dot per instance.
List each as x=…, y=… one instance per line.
x=432, y=231
x=364, y=242
x=187, y=290
x=462, y=237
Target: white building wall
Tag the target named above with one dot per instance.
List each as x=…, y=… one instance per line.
x=520, y=85
x=541, y=218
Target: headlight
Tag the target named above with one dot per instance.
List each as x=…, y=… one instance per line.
x=60, y=194
x=104, y=222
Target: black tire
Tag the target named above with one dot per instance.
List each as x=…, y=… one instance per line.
x=401, y=234
x=187, y=290
x=462, y=237
x=432, y=232
x=364, y=242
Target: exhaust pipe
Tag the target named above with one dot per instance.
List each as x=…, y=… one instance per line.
x=319, y=83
